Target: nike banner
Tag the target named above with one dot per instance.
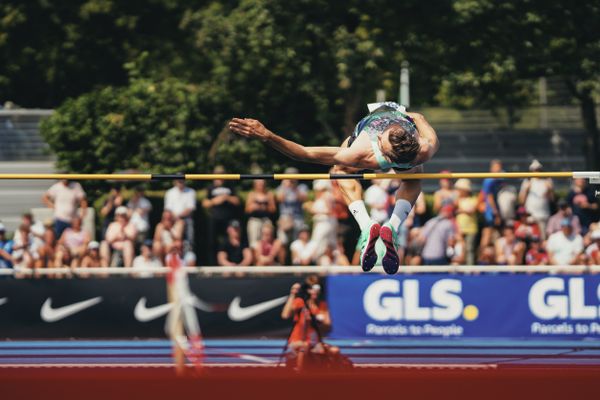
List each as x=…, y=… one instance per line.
x=472, y=306
x=119, y=307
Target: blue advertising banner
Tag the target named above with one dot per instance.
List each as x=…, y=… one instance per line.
x=472, y=306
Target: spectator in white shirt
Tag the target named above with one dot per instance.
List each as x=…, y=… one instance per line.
x=146, y=260
x=181, y=201
x=139, y=208
x=536, y=194
x=120, y=236
x=565, y=247
x=303, y=249
x=377, y=198
x=64, y=197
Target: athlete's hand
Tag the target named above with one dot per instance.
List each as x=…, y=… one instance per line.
x=415, y=115
x=250, y=128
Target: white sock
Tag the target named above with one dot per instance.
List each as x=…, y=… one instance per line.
x=360, y=214
x=401, y=211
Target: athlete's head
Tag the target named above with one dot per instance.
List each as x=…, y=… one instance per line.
x=399, y=144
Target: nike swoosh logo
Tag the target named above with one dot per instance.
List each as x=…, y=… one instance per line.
x=237, y=313
x=144, y=314
x=50, y=314
x=3, y=301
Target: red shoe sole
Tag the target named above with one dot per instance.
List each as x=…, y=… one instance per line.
x=390, y=261
x=370, y=256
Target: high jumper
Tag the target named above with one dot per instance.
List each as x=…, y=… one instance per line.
x=388, y=138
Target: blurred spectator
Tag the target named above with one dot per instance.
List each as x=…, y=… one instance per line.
x=377, y=198
x=260, y=209
x=565, y=247
x=64, y=197
x=222, y=204
x=179, y=254
x=72, y=245
x=324, y=231
x=564, y=211
x=536, y=255
x=48, y=250
x=444, y=195
x=584, y=204
x=25, y=249
x=269, y=250
x=290, y=196
x=167, y=231
x=119, y=240
x=507, y=201
x=488, y=205
x=436, y=235
x=92, y=256
x=346, y=227
x=113, y=200
x=334, y=255
x=525, y=226
x=536, y=194
x=466, y=218
x=139, y=209
x=509, y=251
x=6, y=248
x=303, y=249
x=592, y=252
x=181, y=201
x=455, y=252
x=235, y=250
x=419, y=212
x=146, y=259
x=487, y=255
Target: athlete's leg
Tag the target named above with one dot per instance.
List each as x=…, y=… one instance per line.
x=406, y=197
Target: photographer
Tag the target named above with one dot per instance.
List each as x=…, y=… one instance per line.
x=311, y=317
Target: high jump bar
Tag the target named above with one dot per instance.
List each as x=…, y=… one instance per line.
x=593, y=176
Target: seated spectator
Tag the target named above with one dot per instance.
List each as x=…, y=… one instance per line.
x=303, y=249
x=324, y=231
x=120, y=238
x=92, y=259
x=290, y=196
x=466, y=218
x=269, y=250
x=25, y=248
x=378, y=200
x=334, y=255
x=525, y=226
x=64, y=197
x=139, y=210
x=536, y=194
x=113, y=200
x=536, y=255
x=487, y=255
x=592, y=252
x=167, y=231
x=49, y=249
x=260, y=209
x=436, y=235
x=180, y=255
x=235, y=250
x=565, y=247
x=6, y=248
x=564, y=211
x=146, y=260
x=444, y=195
x=72, y=245
x=583, y=202
x=455, y=252
x=509, y=251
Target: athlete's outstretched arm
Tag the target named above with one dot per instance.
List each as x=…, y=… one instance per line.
x=430, y=144
x=327, y=155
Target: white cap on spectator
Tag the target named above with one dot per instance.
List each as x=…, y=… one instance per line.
x=121, y=210
x=596, y=234
x=2, y=227
x=463, y=184
x=535, y=165
x=93, y=245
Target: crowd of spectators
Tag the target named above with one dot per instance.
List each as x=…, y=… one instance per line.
x=291, y=224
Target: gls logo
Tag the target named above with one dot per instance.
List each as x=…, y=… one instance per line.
x=382, y=301
x=550, y=298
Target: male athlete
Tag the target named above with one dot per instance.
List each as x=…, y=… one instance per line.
x=387, y=138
